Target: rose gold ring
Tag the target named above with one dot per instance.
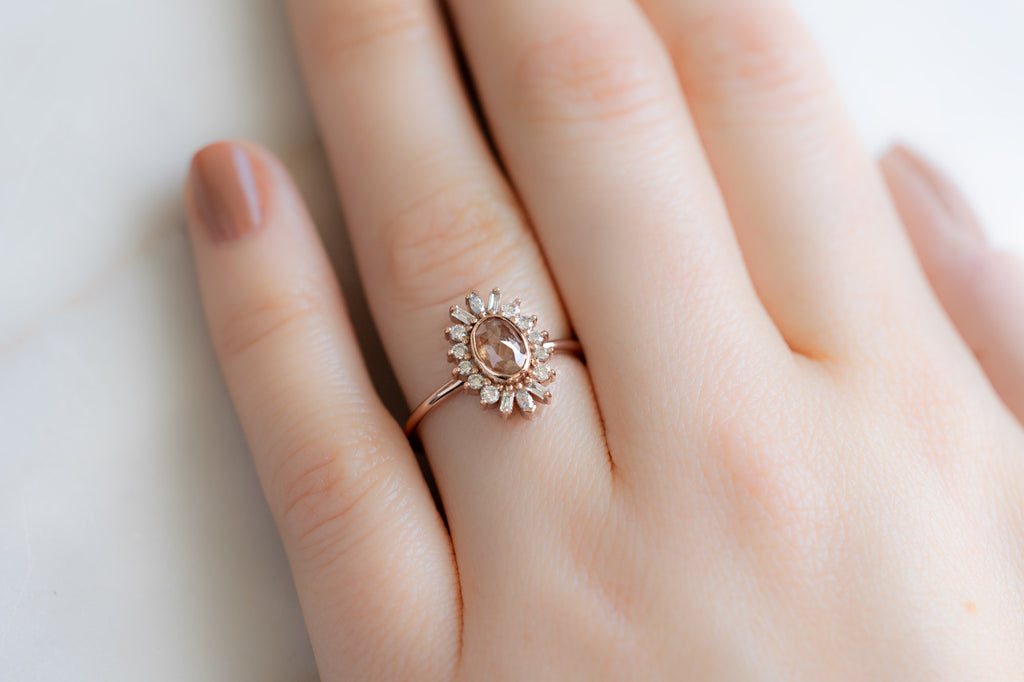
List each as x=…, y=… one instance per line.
x=500, y=353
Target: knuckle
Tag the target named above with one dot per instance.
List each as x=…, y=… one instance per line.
x=759, y=57
x=920, y=394
x=327, y=488
x=767, y=461
x=252, y=323
x=342, y=29
x=452, y=240
x=592, y=72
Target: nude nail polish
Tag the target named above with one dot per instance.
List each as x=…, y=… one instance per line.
x=226, y=190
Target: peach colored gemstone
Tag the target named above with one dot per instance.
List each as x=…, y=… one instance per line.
x=500, y=347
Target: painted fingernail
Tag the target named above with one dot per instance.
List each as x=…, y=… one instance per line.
x=226, y=191
x=939, y=190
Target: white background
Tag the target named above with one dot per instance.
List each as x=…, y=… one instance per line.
x=134, y=542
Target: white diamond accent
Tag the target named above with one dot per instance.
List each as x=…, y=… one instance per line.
x=536, y=337
x=489, y=395
x=510, y=310
x=475, y=303
x=506, y=402
x=458, y=333
x=460, y=351
x=542, y=372
x=465, y=368
x=525, y=401
x=475, y=382
x=525, y=323
x=542, y=353
x=493, y=300
x=538, y=391
x=462, y=316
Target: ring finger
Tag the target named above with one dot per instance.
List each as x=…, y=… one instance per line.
x=431, y=218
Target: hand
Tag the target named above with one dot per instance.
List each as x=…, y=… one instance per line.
x=781, y=460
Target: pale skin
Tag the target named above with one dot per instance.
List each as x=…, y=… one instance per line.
x=794, y=451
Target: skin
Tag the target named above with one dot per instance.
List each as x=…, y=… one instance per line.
x=795, y=450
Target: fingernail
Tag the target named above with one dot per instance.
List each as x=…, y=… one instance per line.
x=939, y=190
x=226, y=191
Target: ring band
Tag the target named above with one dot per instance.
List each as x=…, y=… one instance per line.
x=500, y=353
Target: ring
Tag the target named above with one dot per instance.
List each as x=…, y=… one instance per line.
x=500, y=353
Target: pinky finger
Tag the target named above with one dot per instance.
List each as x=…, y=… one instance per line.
x=371, y=559
x=982, y=289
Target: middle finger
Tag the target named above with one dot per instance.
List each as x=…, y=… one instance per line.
x=591, y=122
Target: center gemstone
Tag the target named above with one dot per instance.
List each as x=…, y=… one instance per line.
x=499, y=347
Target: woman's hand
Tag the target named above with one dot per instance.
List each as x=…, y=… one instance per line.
x=781, y=459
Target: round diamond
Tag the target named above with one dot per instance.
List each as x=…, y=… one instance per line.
x=475, y=382
x=460, y=351
x=499, y=347
x=542, y=353
x=465, y=368
x=458, y=333
x=542, y=372
x=536, y=337
x=489, y=395
x=510, y=309
x=525, y=323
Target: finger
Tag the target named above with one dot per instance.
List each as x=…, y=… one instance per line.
x=370, y=556
x=591, y=123
x=432, y=218
x=806, y=201
x=981, y=289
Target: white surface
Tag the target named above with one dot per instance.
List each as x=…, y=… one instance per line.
x=134, y=542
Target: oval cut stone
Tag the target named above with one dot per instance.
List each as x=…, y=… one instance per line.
x=499, y=347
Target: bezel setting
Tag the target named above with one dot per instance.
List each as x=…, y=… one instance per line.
x=520, y=343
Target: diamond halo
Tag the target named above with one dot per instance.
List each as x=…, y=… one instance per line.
x=500, y=353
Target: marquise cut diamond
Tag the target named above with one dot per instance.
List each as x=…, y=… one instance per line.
x=525, y=401
x=475, y=303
